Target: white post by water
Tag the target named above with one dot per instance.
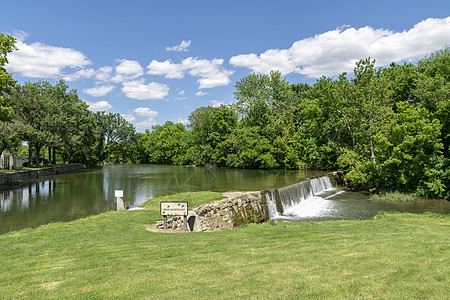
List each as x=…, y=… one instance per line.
x=119, y=197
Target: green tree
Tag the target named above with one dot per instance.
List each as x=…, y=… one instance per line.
x=210, y=127
x=166, y=144
x=71, y=121
x=114, y=132
x=6, y=81
x=432, y=90
x=408, y=147
x=265, y=102
x=31, y=111
x=9, y=137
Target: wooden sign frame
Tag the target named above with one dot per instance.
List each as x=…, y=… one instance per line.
x=174, y=208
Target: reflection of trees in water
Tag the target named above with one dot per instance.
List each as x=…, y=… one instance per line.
x=61, y=198
x=70, y=196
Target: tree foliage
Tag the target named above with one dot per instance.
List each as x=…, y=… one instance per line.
x=53, y=116
x=387, y=128
x=6, y=81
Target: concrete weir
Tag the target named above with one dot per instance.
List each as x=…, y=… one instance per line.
x=237, y=209
x=241, y=208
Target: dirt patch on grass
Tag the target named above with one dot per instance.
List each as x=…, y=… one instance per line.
x=50, y=285
x=152, y=228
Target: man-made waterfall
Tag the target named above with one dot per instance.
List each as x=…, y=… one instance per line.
x=320, y=185
x=271, y=204
x=300, y=199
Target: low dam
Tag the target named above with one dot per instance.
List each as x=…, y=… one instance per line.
x=300, y=199
x=293, y=201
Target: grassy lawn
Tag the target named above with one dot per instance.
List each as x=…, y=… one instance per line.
x=394, y=256
x=14, y=171
x=193, y=198
x=2, y=171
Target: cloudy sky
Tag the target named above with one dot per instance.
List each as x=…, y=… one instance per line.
x=157, y=61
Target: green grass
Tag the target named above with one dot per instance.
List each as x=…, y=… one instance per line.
x=193, y=198
x=28, y=169
x=394, y=197
x=15, y=171
x=394, y=256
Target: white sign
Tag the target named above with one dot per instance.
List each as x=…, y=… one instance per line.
x=119, y=193
x=174, y=208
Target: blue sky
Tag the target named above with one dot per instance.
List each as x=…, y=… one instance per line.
x=157, y=61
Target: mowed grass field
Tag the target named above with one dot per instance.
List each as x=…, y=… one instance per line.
x=112, y=256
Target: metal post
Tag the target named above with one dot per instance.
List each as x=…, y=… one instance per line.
x=165, y=222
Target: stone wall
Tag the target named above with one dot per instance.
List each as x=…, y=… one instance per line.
x=238, y=209
x=30, y=174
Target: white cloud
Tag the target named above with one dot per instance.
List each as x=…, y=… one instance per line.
x=181, y=93
x=145, y=112
x=127, y=70
x=129, y=118
x=179, y=98
x=167, y=68
x=210, y=72
x=38, y=60
x=83, y=73
x=201, y=93
x=183, y=47
x=216, y=103
x=99, y=91
x=180, y=120
x=102, y=74
x=99, y=106
x=146, y=124
x=336, y=51
x=140, y=91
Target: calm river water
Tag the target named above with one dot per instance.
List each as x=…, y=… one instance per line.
x=89, y=192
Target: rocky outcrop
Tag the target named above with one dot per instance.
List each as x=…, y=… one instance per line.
x=238, y=209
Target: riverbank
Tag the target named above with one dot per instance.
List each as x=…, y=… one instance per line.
x=112, y=255
x=19, y=175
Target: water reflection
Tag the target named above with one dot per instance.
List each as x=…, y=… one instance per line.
x=71, y=196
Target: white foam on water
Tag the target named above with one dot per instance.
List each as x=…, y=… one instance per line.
x=335, y=194
x=301, y=200
x=321, y=185
x=311, y=207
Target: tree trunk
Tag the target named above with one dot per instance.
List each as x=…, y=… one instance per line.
x=69, y=155
x=38, y=153
x=372, y=151
x=30, y=153
x=54, y=156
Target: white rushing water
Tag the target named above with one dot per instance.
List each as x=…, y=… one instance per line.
x=321, y=185
x=300, y=200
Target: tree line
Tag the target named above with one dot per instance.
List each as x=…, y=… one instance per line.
x=53, y=117
x=387, y=128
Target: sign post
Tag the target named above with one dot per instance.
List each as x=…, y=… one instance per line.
x=119, y=197
x=174, y=208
